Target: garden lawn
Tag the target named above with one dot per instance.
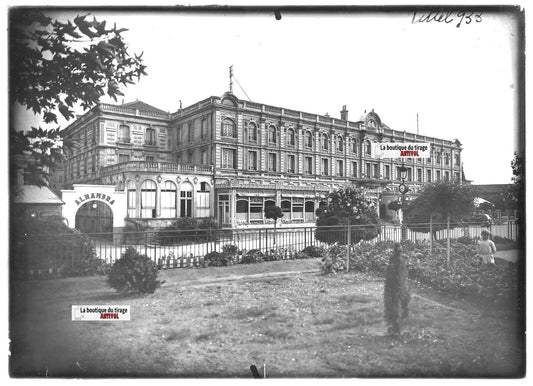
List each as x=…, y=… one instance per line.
x=216, y=322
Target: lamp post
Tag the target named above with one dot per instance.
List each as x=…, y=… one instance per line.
x=403, y=189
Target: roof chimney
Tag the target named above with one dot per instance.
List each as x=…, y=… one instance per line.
x=344, y=113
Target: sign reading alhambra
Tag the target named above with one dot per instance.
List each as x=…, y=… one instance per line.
x=402, y=150
x=94, y=196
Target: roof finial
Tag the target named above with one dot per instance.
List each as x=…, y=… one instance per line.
x=180, y=105
x=231, y=79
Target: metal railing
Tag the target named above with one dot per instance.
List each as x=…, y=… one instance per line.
x=182, y=248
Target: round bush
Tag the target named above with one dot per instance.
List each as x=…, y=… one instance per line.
x=134, y=273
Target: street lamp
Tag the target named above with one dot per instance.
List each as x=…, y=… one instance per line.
x=403, y=189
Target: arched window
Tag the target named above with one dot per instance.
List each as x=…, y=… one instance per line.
x=252, y=132
x=150, y=137
x=124, y=134
x=272, y=135
x=148, y=199
x=340, y=144
x=168, y=199
x=325, y=141
x=203, y=200
x=368, y=147
x=186, y=199
x=446, y=159
x=290, y=137
x=438, y=157
x=131, y=196
x=308, y=140
x=228, y=128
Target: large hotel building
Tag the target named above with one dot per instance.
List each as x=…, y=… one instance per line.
x=226, y=159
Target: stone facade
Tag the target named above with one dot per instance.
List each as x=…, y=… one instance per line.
x=226, y=158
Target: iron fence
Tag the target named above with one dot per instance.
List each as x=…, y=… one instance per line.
x=61, y=254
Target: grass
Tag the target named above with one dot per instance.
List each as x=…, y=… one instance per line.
x=299, y=325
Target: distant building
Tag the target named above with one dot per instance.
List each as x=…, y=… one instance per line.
x=226, y=159
x=496, y=194
x=30, y=200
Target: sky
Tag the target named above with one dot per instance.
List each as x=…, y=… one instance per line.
x=461, y=81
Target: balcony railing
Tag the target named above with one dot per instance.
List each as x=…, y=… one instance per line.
x=169, y=167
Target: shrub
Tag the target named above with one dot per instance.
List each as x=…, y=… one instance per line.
x=187, y=230
x=133, y=273
x=230, y=249
x=252, y=256
x=218, y=259
x=46, y=242
x=314, y=251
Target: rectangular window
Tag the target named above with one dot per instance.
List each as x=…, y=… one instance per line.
x=308, y=165
x=456, y=176
x=375, y=170
x=367, y=170
x=124, y=134
x=149, y=159
x=291, y=164
x=123, y=158
x=272, y=162
x=252, y=160
x=419, y=175
x=387, y=172
x=438, y=175
x=340, y=168
x=186, y=203
x=228, y=158
x=204, y=128
x=428, y=175
x=409, y=174
x=446, y=176
x=325, y=166
x=150, y=137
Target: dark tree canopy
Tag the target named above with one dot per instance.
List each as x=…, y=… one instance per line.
x=56, y=66
x=439, y=200
x=347, y=206
x=273, y=212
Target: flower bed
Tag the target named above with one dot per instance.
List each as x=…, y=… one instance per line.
x=464, y=275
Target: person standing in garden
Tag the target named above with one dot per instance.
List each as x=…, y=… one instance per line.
x=486, y=248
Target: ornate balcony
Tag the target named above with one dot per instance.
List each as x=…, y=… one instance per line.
x=160, y=167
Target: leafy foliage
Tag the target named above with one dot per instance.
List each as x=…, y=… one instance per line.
x=56, y=65
x=252, y=256
x=347, y=206
x=218, y=259
x=439, y=200
x=186, y=230
x=134, y=272
x=47, y=243
x=465, y=276
x=273, y=212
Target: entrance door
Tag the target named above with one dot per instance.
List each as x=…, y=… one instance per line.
x=94, y=217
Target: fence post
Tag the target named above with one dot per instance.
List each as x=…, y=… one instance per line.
x=146, y=243
x=348, y=246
